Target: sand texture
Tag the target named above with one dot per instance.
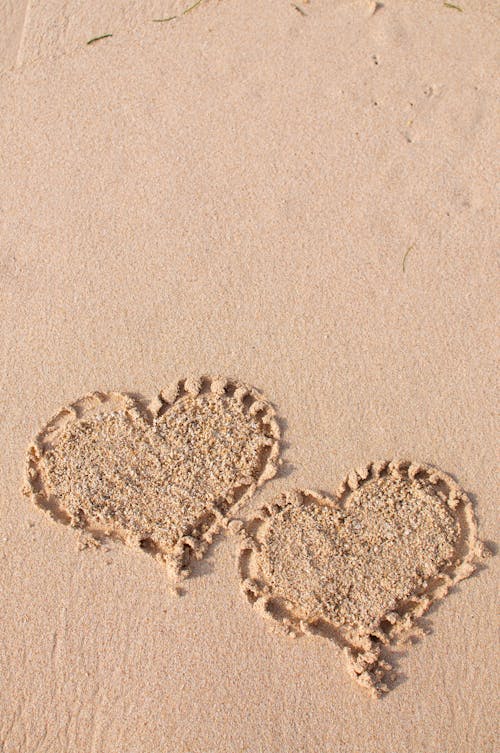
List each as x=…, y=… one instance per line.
x=12, y=15
x=57, y=26
x=363, y=566
x=305, y=203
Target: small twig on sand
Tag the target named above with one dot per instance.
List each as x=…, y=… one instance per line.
x=301, y=10
x=410, y=248
x=191, y=7
x=96, y=39
x=454, y=7
x=162, y=20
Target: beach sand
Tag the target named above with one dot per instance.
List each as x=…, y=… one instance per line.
x=303, y=203
x=12, y=18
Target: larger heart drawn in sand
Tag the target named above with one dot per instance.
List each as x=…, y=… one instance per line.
x=162, y=476
x=361, y=567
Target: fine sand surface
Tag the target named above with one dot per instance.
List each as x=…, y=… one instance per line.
x=303, y=203
x=12, y=17
x=53, y=27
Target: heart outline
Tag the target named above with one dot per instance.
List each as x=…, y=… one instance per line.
x=365, y=654
x=194, y=544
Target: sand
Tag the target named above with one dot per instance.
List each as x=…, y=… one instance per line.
x=12, y=17
x=235, y=194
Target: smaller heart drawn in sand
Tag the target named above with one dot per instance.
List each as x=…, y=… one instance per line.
x=162, y=476
x=361, y=567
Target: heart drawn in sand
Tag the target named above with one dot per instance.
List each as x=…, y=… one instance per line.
x=361, y=567
x=163, y=476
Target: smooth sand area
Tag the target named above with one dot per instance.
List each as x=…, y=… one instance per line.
x=12, y=18
x=303, y=203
